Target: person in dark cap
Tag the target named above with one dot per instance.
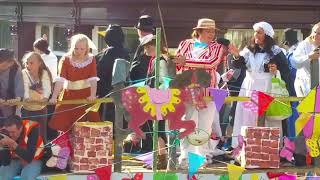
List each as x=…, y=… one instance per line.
x=114, y=39
x=139, y=69
x=11, y=83
x=139, y=65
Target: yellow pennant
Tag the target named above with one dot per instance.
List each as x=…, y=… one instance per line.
x=308, y=103
x=58, y=177
x=94, y=108
x=102, y=33
x=254, y=176
x=235, y=172
x=302, y=121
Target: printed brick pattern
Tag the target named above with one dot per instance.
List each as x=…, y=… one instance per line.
x=92, y=146
x=260, y=148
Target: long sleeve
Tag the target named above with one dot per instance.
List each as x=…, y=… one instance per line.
x=26, y=84
x=46, y=84
x=301, y=54
x=239, y=63
x=28, y=153
x=19, y=84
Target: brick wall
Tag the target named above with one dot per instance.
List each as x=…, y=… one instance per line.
x=92, y=145
x=261, y=147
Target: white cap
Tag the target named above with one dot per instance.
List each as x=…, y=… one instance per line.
x=267, y=28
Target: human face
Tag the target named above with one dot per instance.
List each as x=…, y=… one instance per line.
x=150, y=50
x=259, y=36
x=33, y=64
x=14, y=132
x=207, y=35
x=80, y=49
x=316, y=35
x=142, y=34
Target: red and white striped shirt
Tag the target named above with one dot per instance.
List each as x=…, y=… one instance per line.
x=207, y=58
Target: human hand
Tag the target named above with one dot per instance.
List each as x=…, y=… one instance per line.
x=180, y=60
x=53, y=100
x=7, y=141
x=314, y=55
x=91, y=98
x=234, y=51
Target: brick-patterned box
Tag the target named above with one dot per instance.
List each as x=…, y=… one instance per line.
x=92, y=145
x=260, y=148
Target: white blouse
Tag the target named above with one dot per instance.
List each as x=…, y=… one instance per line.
x=46, y=85
x=256, y=62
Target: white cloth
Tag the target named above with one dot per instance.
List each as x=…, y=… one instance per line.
x=243, y=116
x=46, y=85
x=267, y=28
x=206, y=119
x=51, y=61
x=302, y=83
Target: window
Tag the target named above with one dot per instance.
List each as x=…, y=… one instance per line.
x=6, y=40
x=240, y=37
x=60, y=42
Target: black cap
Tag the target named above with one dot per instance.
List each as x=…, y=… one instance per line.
x=223, y=41
x=145, y=23
x=291, y=37
x=114, y=35
x=6, y=54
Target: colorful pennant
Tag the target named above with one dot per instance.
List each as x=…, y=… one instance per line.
x=218, y=96
x=147, y=158
x=137, y=176
x=104, y=173
x=165, y=176
x=264, y=100
x=254, y=176
x=195, y=162
x=288, y=177
x=308, y=103
x=58, y=177
x=234, y=171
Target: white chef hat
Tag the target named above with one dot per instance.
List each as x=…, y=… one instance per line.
x=267, y=28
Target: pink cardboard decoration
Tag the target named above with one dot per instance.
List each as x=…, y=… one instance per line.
x=288, y=149
x=144, y=103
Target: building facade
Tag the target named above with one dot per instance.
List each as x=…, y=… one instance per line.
x=23, y=21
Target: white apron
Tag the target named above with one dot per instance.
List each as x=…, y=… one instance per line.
x=244, y=117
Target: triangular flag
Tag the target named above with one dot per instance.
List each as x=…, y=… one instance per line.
x=317, y=103
x=147, y=158
x=272, y=175
x=195, y=162
x=58, y=177
x=288, y=177
x=302, y=121
x=308, y=128
x=102, y=33
x=264, y=101
x=308, y=103
x=218, y=96
x=234, y=171
x=104, y=173
x=165, y=176
x=92, y=177
x=224, y=177
x=254, y=176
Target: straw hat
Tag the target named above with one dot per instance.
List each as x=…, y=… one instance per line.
x=206, y=23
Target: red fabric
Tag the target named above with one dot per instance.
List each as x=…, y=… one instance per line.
x=138, y=176
x=210, y=55
x=274, y=175
x=150, y=65
x=308, y=159
x=264, y=101
x=104, y=173
x=64, y=121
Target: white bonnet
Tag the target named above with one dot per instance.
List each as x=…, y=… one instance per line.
x=267, y=28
